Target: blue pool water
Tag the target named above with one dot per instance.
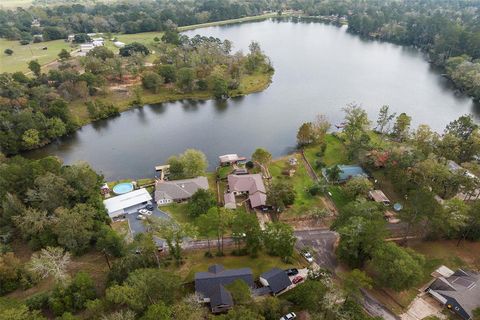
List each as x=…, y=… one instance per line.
x=122, y=188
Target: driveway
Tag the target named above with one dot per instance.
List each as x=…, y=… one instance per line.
x=375, y=308
x=422, y=307
x=322, y=241
x=137, y=226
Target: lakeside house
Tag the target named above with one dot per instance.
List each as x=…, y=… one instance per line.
x=210, y=285
x=231, y=159
x=459, y=291
x=167, y=192
x=250, y=185
x=118, y=207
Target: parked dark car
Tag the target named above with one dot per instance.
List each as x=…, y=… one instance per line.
x=149, y=207
x=291, y=272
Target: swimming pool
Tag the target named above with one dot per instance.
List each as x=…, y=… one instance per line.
x=122, y=188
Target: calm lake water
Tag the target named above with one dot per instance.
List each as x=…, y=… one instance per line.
x=319, y=68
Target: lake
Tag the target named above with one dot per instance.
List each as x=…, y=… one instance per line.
x=319, y=68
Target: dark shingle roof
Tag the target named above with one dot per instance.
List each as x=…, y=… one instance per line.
x=277, y=279
x=220, y=297
x=207, y=282
x=216, y=268
x=463, y=286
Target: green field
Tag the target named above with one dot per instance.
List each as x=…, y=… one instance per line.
x=23, y=54
x=335, y=153
x=12, y=4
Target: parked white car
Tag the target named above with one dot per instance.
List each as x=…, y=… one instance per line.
x=308, y=256
x=289, y=316
x=141, y=217
x=143, y=211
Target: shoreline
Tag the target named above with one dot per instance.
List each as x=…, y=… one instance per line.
x=78, y=109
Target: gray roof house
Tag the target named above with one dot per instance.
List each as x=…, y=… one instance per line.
x=211, y=285
x=459, y=291
x=178, y=190
x=249, y=184
x=276, y=279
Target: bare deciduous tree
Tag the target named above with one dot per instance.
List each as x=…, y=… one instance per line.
x=51, y=261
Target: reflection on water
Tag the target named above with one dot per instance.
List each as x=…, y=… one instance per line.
x=319, y=68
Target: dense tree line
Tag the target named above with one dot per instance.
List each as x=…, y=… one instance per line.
x=42, y=201
x=444, y=29
x=32, y=113
x=58, y=21
x=50, y=205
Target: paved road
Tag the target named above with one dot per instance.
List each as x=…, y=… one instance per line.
x=322, y=241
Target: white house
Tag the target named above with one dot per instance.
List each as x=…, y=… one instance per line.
x=127, y=203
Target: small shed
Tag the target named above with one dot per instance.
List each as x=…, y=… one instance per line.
x=379, y=196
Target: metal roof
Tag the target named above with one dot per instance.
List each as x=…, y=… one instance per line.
x=127, y=200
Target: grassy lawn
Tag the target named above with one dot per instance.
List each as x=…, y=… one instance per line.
x=447, y=253
x=195, y=261
x=178, y=211
x=338, y=196
x=335, y=153
x=301, y=181
x=12, y=4
x=122, y=228
x=23, y=54
x=223, y=172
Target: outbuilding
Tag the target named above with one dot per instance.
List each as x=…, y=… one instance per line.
x=118, y=207
x=379, y=196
